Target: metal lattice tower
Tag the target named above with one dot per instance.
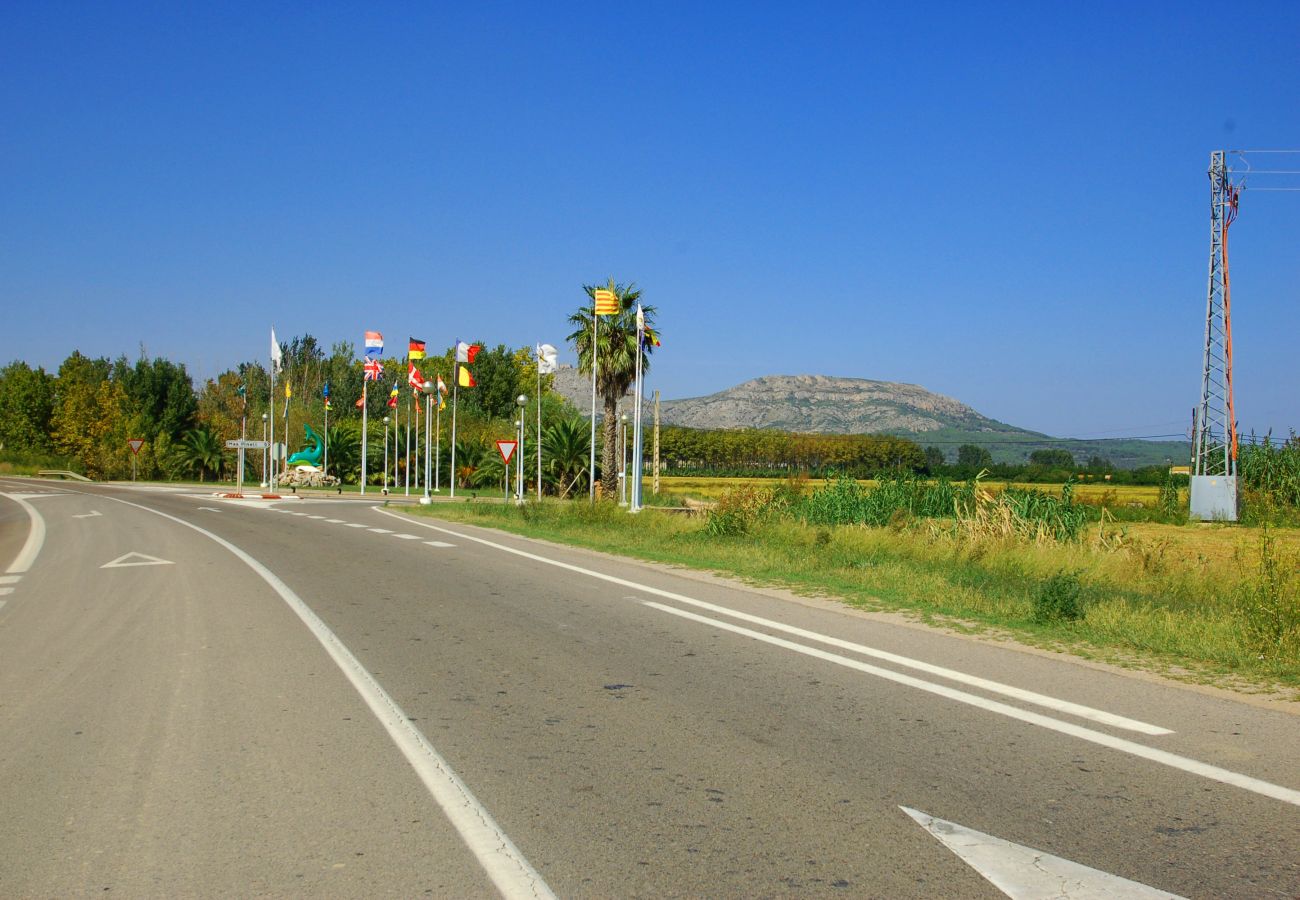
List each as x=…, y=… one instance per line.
x=1214, y=443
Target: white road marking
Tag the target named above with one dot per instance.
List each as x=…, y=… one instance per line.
x=209, y=508
x=10, y=579
x=356, y=525
x=35, y=538
x=90, y=515
x=127, y=560
x=438, y=544
x=513, y=876
x=335, y=521
x=407, y=537
x=1205, y=770
x=1024, y=873
x=315, y=517
x=381, y=531
x=1182, y=763
x=5, y=591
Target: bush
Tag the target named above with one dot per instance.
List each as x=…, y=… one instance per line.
x=741, y=508
x=1059, y=599
x=1269, y=605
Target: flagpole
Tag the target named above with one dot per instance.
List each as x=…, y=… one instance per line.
x=591, y=466
x=437, y=447
x=636, y=415
x=364, y=411
x=270, y=404
x=428, y=416
x=539, y=423
x=407, y=490
x=325, y=466
x=455, y=390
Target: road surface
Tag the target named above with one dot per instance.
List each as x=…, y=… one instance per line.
x=328, y=697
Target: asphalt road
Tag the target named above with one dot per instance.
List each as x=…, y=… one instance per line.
x=327, y=697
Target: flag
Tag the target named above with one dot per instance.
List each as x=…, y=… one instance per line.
x=326, y=392
x=465, y=353
x=243, y=396
x=361, y=401
x=413, y=377
x=288, y=392
x=547, y=359
x=416, y=350
x=652, y=337
x=374, y=344
x=392, y=397
x=464, y=378
x=640, y=318
x=606, y=302
x=442, y=385
x=373, y=369
x=277, y=358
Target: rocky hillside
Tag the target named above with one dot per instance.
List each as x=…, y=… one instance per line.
x=820, y=403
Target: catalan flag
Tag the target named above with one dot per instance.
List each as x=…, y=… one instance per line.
x=606, y=302
x=416, y=351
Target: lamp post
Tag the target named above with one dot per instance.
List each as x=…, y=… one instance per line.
x=385, y=455
x=522, y=400
x=622, y=475
x=428, y=388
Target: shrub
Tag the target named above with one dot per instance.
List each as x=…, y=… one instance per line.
x=1059, y=599
x=1269, y=605
x=741, y=508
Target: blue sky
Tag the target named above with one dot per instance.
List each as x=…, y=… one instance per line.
x=1004, y=203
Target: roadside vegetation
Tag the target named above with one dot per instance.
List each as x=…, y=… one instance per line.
x=1207, y=602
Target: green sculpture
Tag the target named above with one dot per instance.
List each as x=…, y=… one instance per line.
x=310, y=456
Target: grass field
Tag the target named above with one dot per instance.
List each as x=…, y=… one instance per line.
x=1207, y=603
x=700, y=488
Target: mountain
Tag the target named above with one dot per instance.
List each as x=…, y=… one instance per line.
x=820, y=403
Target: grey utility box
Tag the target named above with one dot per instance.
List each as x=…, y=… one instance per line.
x=1214, y=498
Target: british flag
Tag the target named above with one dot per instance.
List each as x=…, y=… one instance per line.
x=374, y=368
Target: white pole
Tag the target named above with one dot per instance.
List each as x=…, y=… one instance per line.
x=325, y=464
x=437, y=447
x=539, y=425
x=243, y=436
x=455, y=389
x=270, y=409
x=636, y=417
x=265, y=453
x=595, y=330
x=408, y=449
x=364, y=410
x=519, y=487
x=428, y=417
x=622, y=475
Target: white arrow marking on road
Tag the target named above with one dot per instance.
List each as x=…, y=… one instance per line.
x=127, y=560
x=89, y=515
x=1022, y=872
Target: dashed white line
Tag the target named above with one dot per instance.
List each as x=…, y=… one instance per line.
x=356, y=525
x=315, y=517
x=382, y=530
x=407, y=537
x=5, y=591
x=335, y=521
x=10, y=579
x=438, y=544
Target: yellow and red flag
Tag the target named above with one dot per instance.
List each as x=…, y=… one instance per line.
x=606, y=302
x=464, y=378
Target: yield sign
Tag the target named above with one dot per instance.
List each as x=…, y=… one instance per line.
x=507, y=450
x=127, y=560
x=135, y=444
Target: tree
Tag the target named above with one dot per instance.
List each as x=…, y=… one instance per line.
x=26, y=405
x=566, y=448
x=970, y=456
x=202, y=451
x=934, y=460
x=615, y=359
x=1052, y=459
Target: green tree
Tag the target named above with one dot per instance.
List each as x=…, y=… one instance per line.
x=566, y=449
x=26, y=405
x=970, y=456
x=615, y=357
x=1052, y=459
x=203, y=452
x=934, y=460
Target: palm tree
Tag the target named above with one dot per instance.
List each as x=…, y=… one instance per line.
x=202, y=451
x=616, y=356
x=565, y=447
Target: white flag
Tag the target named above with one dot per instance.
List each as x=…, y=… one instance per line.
x=548, y=359
x=277, y=358
x=640, y=318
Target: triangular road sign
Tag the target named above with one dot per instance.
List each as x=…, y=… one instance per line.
x=507, y=450
x=135, y=444
x=126, y=560
x=1021, y=872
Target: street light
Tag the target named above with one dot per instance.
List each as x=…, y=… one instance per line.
x=385, y=455
x=428, y=388
x=622, y=476
x=522, y=401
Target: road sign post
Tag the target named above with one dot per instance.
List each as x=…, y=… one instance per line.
x=507, y=450
x=135, y=444
x=241, y=445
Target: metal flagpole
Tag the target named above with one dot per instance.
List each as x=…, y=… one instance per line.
x=591, y=466
x=325, y=464
x=270, y=405
x=407, y=489
x=636, y=414
x=428, y=418
x=364, y=410
x=437, y=446
x=539, y=423
x=455, y=388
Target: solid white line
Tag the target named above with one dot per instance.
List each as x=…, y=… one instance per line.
x=500, y=858
x=1205, y=770
x=1054, y=703
x=35, y=538
x=1255, y=785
